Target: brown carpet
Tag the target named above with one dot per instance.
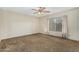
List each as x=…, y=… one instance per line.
x=38, y=43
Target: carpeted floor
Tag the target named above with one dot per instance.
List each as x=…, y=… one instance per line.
x=38, y=43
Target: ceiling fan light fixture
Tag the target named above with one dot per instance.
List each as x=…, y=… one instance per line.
x=41, y=11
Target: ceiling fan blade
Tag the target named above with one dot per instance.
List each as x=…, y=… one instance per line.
x=46, y=11
x=34, y=9
x=41, y=8
x=35, y=12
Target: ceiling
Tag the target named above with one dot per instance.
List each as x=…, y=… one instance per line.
x=29, y=11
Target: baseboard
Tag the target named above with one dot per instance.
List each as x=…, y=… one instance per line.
x=18, y=36
x=71, y=37
x=74, y=37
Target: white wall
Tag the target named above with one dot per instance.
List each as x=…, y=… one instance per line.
x=2, y=26
x=15, y=24
x=73, y=23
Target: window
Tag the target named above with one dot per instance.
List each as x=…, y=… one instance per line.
x=55, y=24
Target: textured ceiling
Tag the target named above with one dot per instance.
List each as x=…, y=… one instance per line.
x=29, y=11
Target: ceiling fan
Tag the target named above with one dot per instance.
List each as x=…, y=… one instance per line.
x=40, y=10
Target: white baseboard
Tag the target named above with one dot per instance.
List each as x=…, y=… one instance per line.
x=71, y=37
x=74, y=37
x=3, y=38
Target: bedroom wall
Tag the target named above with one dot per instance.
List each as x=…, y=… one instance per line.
x=14, y=24
x=73, y=23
